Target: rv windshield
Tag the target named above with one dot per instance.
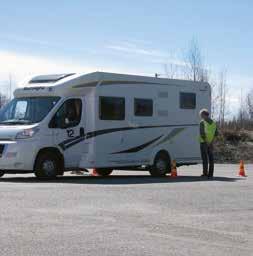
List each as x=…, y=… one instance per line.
x=27, y=110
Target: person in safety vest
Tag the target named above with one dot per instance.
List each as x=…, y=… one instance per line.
x=208, y=132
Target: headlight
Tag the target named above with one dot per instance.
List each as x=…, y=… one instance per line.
x=27, y=133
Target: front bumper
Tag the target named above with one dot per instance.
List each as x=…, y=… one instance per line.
x=17, y=155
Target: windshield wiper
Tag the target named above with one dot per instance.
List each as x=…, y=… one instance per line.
x=16, y=122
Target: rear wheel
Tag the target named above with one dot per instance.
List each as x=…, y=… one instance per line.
x=161, y=165
x=104, y=172
x=2, y=173
x=47, y=165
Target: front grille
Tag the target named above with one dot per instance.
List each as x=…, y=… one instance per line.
x=1, y=149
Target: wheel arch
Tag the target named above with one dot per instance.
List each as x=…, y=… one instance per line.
x=157, y=152
x=161, y=164
x=55, y=151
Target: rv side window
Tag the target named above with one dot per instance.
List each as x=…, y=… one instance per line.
x=187, y=100
x=111, y=108
x=143, y=107
x=68, y=115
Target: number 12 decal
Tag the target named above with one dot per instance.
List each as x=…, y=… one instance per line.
x=70, y=133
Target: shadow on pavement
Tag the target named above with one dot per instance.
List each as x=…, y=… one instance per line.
x=116, y=180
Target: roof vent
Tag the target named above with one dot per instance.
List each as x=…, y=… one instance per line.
x=48, y=78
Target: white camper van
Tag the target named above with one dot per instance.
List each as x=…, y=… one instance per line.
x=57, y=123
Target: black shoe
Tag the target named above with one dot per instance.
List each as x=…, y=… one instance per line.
x=203, y=175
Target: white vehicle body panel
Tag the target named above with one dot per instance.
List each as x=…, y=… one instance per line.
x=133, y=141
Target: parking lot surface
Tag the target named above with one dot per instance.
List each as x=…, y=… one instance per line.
x=128, y=213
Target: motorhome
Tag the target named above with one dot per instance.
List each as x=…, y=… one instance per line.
x=106, y=121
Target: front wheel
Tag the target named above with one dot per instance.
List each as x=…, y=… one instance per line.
x=46, y=166
x=104, y=172
x=2, y=173
x=161, y=165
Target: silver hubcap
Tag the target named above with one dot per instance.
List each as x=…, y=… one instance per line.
x=48, y=167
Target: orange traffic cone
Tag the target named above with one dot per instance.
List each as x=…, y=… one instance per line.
x=242, y=170
x=174, y=169
x=94, y=172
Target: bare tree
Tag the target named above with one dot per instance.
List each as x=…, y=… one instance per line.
x=195, y=61
x=243, y=116
x=249, y=101
x=3, y=100
x=214, y=99
x=10, y=85
x=6, y=92
x=222, y=91
x=170, y=70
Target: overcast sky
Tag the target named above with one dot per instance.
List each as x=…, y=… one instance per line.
x=125, y=36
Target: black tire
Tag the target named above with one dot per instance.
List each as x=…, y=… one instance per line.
x=47, y=165
x=104, y=172
x=162, y=165
x=2, y=173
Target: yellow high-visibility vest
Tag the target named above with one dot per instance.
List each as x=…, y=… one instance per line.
x=210, y=130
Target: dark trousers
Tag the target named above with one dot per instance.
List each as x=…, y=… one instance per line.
x=207, y=158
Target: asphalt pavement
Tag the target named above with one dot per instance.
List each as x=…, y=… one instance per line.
x=128, y=213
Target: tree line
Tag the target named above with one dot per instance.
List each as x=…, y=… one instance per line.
x=193, y=67
x=6, y=90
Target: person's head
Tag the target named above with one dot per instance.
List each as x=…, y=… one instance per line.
x=204, y=114
x=78, y=106
x=71, y=111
